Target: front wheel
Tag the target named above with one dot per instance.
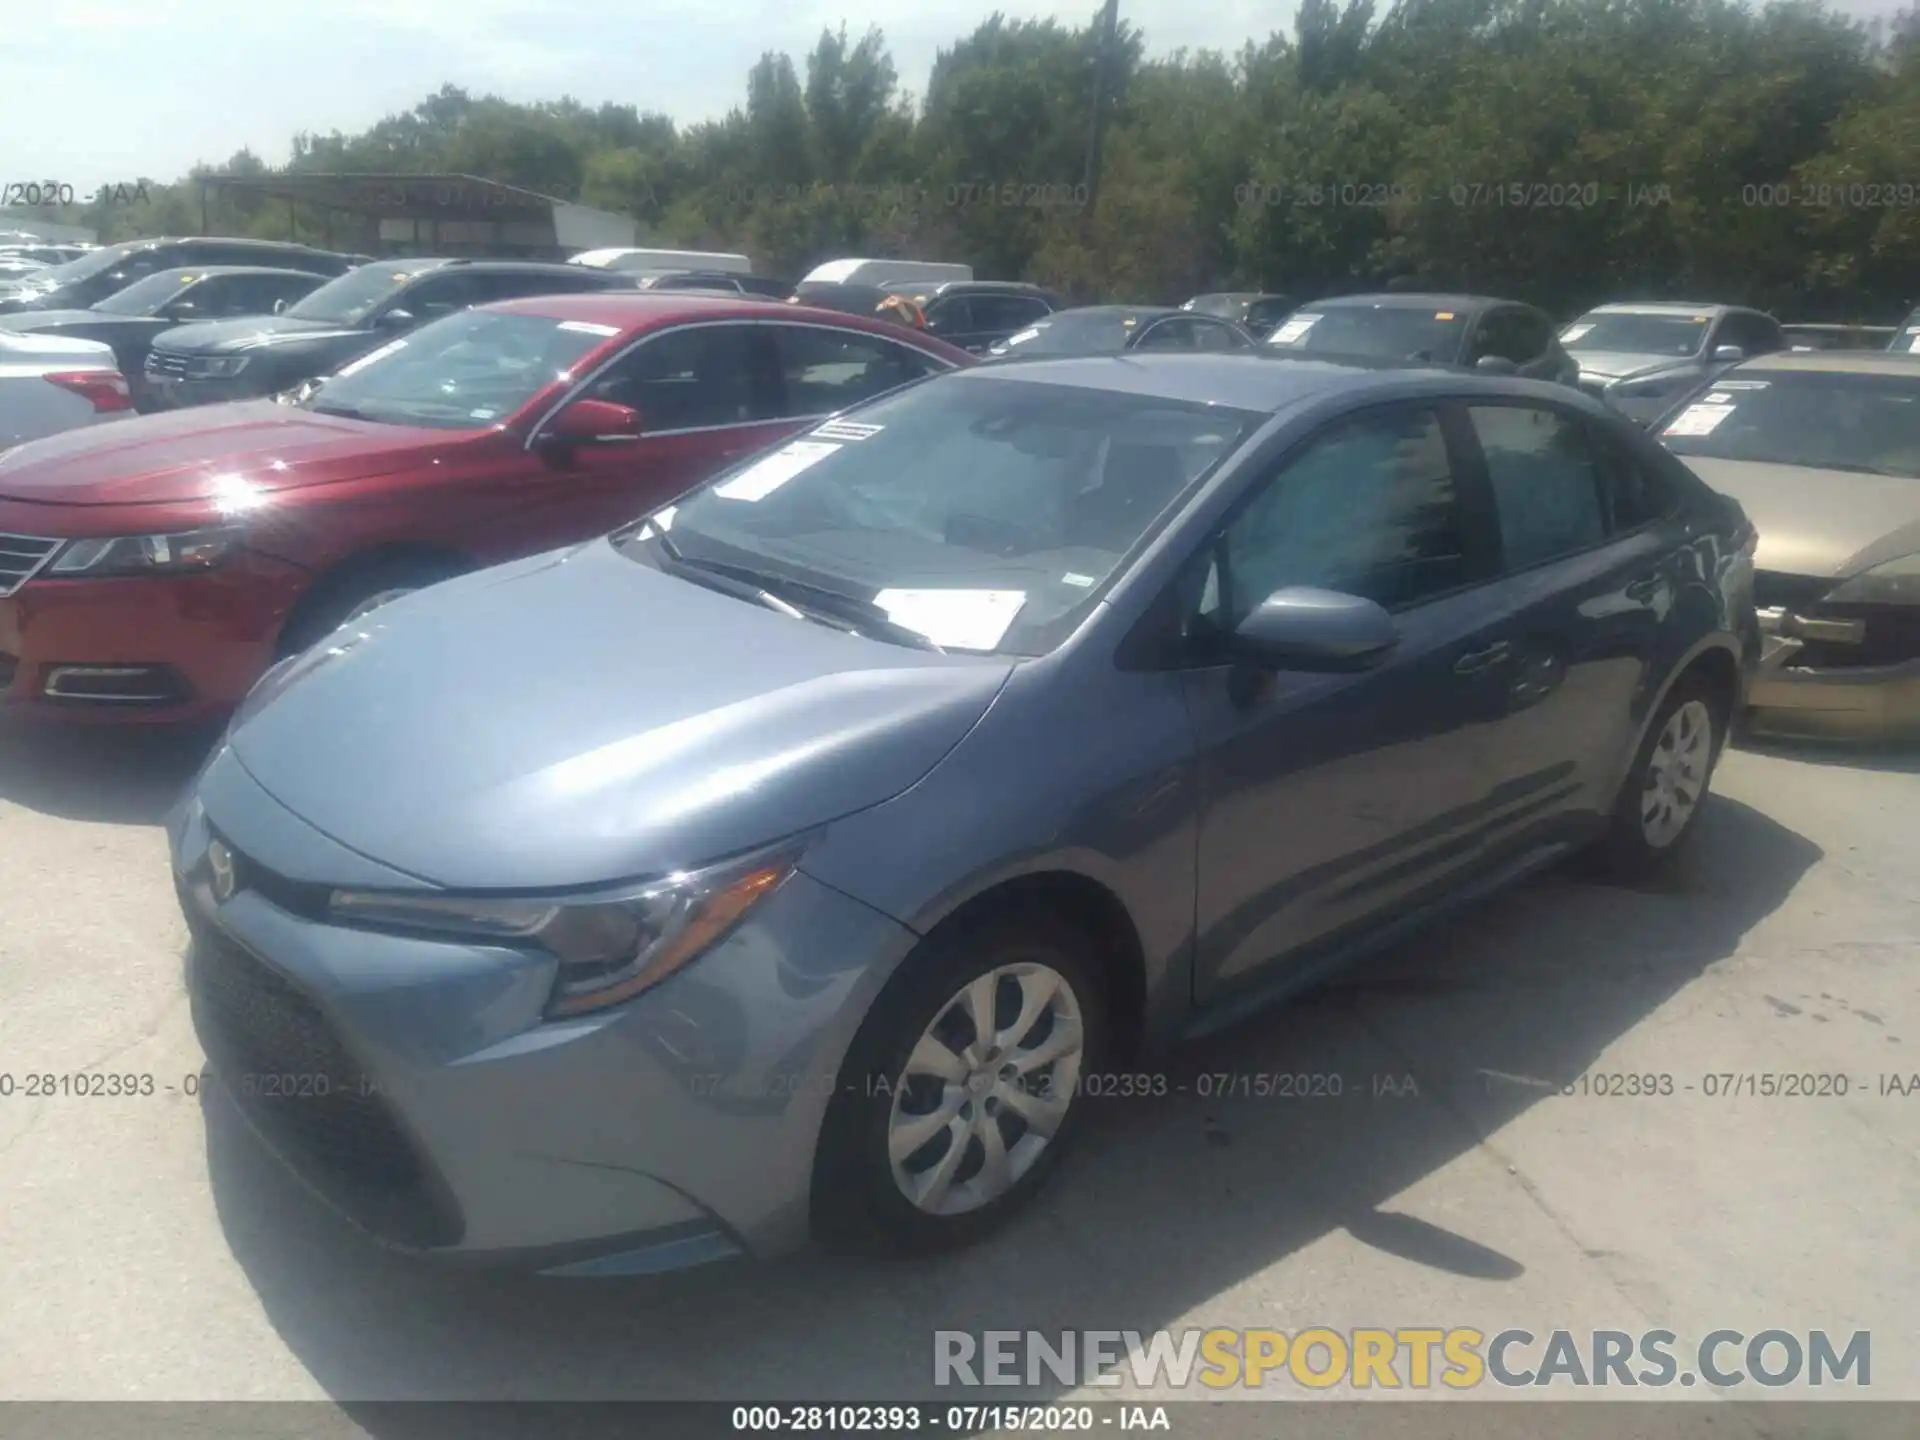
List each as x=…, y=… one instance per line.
x=963, y=1087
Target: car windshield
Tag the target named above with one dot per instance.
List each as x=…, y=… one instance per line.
x=352, y=298
x=1826, y=421
x=1907, y=337
x=469, y=371
x=94, y=262
x=1375, y=332
x=983, y=514
x=1630, y=334
x=144, y=297
x=1084, y=332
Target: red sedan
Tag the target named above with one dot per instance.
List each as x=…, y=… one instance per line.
x=154, y=568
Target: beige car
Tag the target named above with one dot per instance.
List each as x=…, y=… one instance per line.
x=1823, y=453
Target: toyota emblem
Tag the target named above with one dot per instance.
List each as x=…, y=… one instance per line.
x=220, y=863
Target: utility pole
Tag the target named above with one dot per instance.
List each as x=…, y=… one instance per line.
x=1102, y=83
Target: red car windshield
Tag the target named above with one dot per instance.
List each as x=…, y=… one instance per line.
x=469, y=371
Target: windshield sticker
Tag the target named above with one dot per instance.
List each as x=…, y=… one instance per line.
x=1082, y=581
x=371, y=356
x=1030, y=333
x=1574, y=332
x=587, y=327
x=1294, y=329
x=1719, y=397
x=1443, y=315
x=958, y=619
x=760, y=480
x=847, y=430
x=1698, y=419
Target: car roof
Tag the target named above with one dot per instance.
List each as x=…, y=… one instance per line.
x=1668, y=307
x=247, y=240
x=201, y=272
x=636, y=310
x=1834, y=362
x=1412, y=300
x=1143, y=312
x=1266, y=383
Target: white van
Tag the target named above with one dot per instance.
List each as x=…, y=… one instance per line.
x=640, y=260
x=886, y=272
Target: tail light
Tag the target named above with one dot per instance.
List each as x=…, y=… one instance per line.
x=105, y=390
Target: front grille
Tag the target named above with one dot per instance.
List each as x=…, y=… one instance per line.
x=166, y=364
x=284, y=1066
x=1791, y=592
x=21, y=557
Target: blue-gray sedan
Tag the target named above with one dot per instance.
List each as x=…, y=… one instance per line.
x=805, y=856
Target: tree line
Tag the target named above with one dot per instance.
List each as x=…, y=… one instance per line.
x=1560, y=151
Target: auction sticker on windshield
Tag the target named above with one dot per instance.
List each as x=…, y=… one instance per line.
x=1294, y=329
x=958, y=619
x=1698, y=419
x=846, y=430
x=760, y=480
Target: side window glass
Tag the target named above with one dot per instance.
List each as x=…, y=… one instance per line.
x=1634, y=492
x=1168, y=335
x=440, y=295
x=694, y=379
x=827, y=370
x=953, y=316
x=1370, y=508
x=220, y=296
x=1532, y=333
x=1217, y=338
x=1546, y=484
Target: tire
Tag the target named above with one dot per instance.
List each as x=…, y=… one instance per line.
x=340, y=597
x=1654, y=816
x=860, y=1199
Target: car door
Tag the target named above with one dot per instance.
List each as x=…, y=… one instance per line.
x=1333, y=802
x=707, y=395
x=1587, y=571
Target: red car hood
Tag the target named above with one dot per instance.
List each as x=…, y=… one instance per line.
x=196, y=454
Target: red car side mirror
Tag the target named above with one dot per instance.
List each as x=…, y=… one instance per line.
x=594, y=422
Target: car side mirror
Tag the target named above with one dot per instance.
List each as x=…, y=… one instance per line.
x=593, y=422
x=395, y=320
x=1729, y=353
x=1496, y=365
x=1303, y=628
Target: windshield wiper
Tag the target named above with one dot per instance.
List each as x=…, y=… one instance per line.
x=801, y=600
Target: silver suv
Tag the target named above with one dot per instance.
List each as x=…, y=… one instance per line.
x=1640, y=358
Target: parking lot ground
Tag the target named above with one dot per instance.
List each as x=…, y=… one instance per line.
x=152, y=1251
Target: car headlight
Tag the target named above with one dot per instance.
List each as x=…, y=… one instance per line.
x=1897, y=582
x=610, y=947
x=217, y=367
x=145, y=554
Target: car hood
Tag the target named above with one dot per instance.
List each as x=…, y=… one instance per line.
x=1620, y=364
x=250, y=332
x=581, y=718
x=220, y=453
x=1818, y=522
x=29, y=322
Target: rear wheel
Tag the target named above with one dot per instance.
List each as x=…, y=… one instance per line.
x=357, y=592
x=963, y=1087
x=1661, y=798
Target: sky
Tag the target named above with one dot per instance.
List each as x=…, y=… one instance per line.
x=100, y=92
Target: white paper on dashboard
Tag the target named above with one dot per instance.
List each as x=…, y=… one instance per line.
x=758, y=481
x=1573, y=333
x=960, y=619
x=1698, y=419
x=846, y=430
x=1294, y=329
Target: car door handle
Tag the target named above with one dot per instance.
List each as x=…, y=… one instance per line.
x=1474, y=661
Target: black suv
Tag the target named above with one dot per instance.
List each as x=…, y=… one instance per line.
x=976, y=314
x=83, y=283
x=341, y=321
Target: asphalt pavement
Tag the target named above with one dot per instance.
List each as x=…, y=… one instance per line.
x=151, y=1251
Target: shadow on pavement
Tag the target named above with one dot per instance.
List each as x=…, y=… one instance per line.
x=1170, y=1202
x=111, y=775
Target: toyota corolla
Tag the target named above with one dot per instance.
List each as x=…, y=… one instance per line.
x=791, y=860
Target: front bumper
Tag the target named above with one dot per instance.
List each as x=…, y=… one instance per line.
x=1791, y=701
x=163, y=391
x=163, y=648
x=415, y=1085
